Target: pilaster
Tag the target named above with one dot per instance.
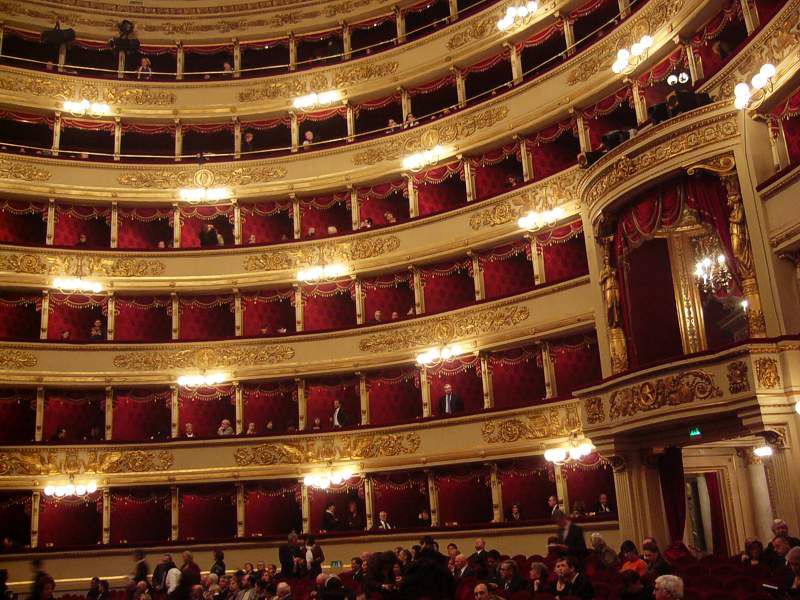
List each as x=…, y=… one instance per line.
x=405, y=102
x=433, y=498
x=292, y=51
x=240, y=512
x=36, y=499
x=363, y=396
x=44, y=316
x=62, y=57
x=301, y=404
x=178, y=140
x=561, y=488
x=525, y=158
x=497, y=495
x=299, y=321
x=106, y=516
x=38, y=434
x=419, y=295
x=369, y=501
x=109, y=416
x=425, y=391
x=638, y=489
x=174, y=514
x=176, y=225
x=469, y=178
x=239, y=408
x=114, y=224
x=176, y=316
x=295, y=130
x=111, y=320
x=237, y=58
x=179, y=61
x=477, y=277
x=305, y=506
x=117, y=135
x=486, y=382
x=347, y=41
x=400, y=23
x=516, y=63
x=174, y=407
x=56, y=134
x=750, y=15
x=359, y=302
x=351, y=122
x=237, y=136
x=355, y=207
x=413, y=203
x=51, y=221
x=238, y=316
x=296, y=224
x=461, y=87
x=551, y=389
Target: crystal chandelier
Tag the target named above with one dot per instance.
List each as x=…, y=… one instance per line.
x=323, y=480
x=711, y=269
x=575, y=449
x=436, y=355
x=71, y=488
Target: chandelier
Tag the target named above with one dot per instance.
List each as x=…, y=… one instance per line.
x=84, y=108
x=534, y=220
x=319, y=273
x=71, y=488
x=323, y=480
x=435, y=355
x=70, y=285
x=205, y=194
x=711, y=269
x=206, y=379
x=751, y=96
x=575, y=449
x=420, y=160
x=314, y=100
x=515, y=15
x=629, y=58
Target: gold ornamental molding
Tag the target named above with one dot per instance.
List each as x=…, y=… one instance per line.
x=737, y=377
x=167, y=179
x=138, y=96
x=595, y=411
x=22, y=172
x=539, y=424
x=17, y=359
x=653, y=16
x=481, y=29
x=442, y=132
x=767, y=373
x=545, y=195
x=38, y=86
x=673, y=390
x=205, y=358
x=326, y=449
x=324, y=253
x=79, y=265
x=445, y=329
x=74, y=461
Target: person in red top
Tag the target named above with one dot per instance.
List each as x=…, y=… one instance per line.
x=631, y=560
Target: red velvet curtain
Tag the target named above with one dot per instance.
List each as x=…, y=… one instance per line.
x=270, y=401
x=17, y=414
x=71, y=521
x=23, y=222
x=715, y=44
x=791, y=133
x=320, y=394
x=80, y=412
x=76, y=314
x=143, y=319
x=206, y=317
x=20, y=316
x=717, y=515
x=267, y=222
x=273, y=309
x=673, y=492
x=528, y=482
x=375, y=201
x=329, y=306
x=321, y=212
x=15, y=518
x=465, y=495
x=205, y=407
x=447, y=286
x=193, y=218
x=553, y=149
x=587, y=479
x=388, y=294
x=141, y=414
x=403, y=495
x=144, y=227
x=440, y=188
x=497, y=171
x=341, y=495
x=464, y=374
x=563, y=251
x=394, y=396
x=576, y=362
x=140, y=515
x=517, y=376
x=507, y=270
x=272, y=507
x=207, y=512
x=92, y=221
x=787, y=116
x=610, y=114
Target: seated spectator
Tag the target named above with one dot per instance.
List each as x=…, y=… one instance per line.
x=510, y=580
x=603, y=506
x=462, y=569
x=514, y=514
x=94, y=589
x=780, y=550
x=539, y=576
x=633, y=588
x=65, y=335
x=569, y=582
x=284, y=590
x=225, y=428
x=481, y=592
x=630, y=559
x=657, y=565
x=383, y=521
x=247, y=142
x=96, y=332
x=316, y=425
x=365, y=224
x=94, y=434
x=389, y=218
x=554, y=550
x=355, y=519
x=188, y=430
x=424, y=518
x=391, y=125
x=251, y=429
x=332, y=230
x=411, y=121
x=790, y=583
x=227, y=69
x=145, y=70
x=251, y=239
x=141, y=591
x=606, y=557
x=209, y=237
x=395, y=315
x=578, y=509
x=753, y=554
x=491, y=569
x=82, y=240
x=377, y=316
x=308, y=139
x=60, y=435
x=512, y=181
x=357, y=569
x=312, y=232
x=161, y=245
x=669, y=587
x=779, y=529
x=270, y=426
x=264, y=330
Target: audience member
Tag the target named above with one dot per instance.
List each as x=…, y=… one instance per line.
x=383, y=521
x=188, y=430
x=290, y=555
x=514, y=514
x=247, y=142
x=225, y=428
x=284, y=591
x=753, y=554
x=481, y=592
x=779, y=529
x=462, y=568
x=355, y=519
x=209, y=237
x=571, y=538
x=669, y=587
x=377, y=316
x=308, y=139
x=569, y=582
x=173, y=583
x=630, y=560
x=657, y=565
x=218, y=568
x=555, y=508
x=633, y=588
x=65, y=335
x=96, y=332
x=606, y=557
x=389, y=218
x=428, y=574
x=790, y=583
x=538, y=576
x=145, y=70
x=159, y=579
x=510, y=580
x=603, y=506
x=59, y=435
x=251, y=429
x=780, y=550
x=83, y=241
x=450, y=402
x=94, y=588
x=339, y=418
x=424, y=518
x=314, y=557
x=330, y=522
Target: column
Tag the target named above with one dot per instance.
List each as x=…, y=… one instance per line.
x=237, y=312
x=525, y=158
x=419, y=296
x=369, y=501
x=550, y=387
x=178, y=140
x=583, y=134
x=237, y=223
x=180, y=59
x=477, y=277
x=609, y=288
x=777, y=144
x=295, y=215
x=433, y=498
x=688, y=303
x=301, y=404
x=363, y=395
x=121, y=65
x=351, y=122
x=461, y=88
x=298, y=308
x=453, y=4
x=56, y=134
x=109, y=413
x=355, y=208
x=781, y=473
x=62, y=57
x=497, y=495
x=413, y=201
x=176, y=316
x=174, y=406
x=111, y=320
x=36, y=498
x=39, y=431
x=639, y=505
x=174, y=508
x=305, y=507
x=400, y=22
x=486, y=381
x=425, y=392
x=292, y=51
x=44, y=316
x=695, y=66
x=240, y=529
x=759, y=492
x=516, y=63
x=359, y=303
x=639, y=101
x=117, y=136
x=114, y=224
x=405, y=102
x=2, y=35
x=237, y=138
x=239, y=407
x=469, y=178
x=237, y=58
x=51, y=221
x=624, y=8
x=561, y=488
x=176, y=225
x=295, y=129
x=750, y=14
x=569, y=35
x=107, y=513
x=347, y=45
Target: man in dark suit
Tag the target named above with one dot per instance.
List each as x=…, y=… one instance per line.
x=160, y=572
x=330, y=522
x=462, y=569
x=450, y=403
x=555, y=508
x=339, y=418
x=428, y=575
x=570, y=537
x=291, y=557
x=603, y=506
x=140, y=572
x=510, y=580
x=209, y=236
x=383, y=521
x=314, y=557
x=571, y=583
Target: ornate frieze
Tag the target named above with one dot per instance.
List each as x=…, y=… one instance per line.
x=767, y=373
x=76, y=461
x=205, y=358
x=77, y=265
x=330, y=448
x=323, y=253
x=38, y=86
x=21, y=171
x=138, y=96
x=537, y=425
x=737, y=377
x=447, y=131
x=477, y=30
x=445, y=329
x=672, y=390
x=168, y=179
x=17, y=359
x=595, y=411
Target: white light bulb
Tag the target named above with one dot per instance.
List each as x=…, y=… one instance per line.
x=797, y=407
x=672, y=80
x=744, y=304
x=768, y=70
x=70, y=489
x=741, y=102
x=511, y=12
x=60, y=491
x=646, y=41
x=763, y=451
x=49, y=490
x=742, y=90
x=533, y=7
x=80, y=490
x=637, y=49
x=623, y=55
x=759, y=81
x=575, y=453
x=522, y=12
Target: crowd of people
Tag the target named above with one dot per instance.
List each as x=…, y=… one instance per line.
x=566, y=572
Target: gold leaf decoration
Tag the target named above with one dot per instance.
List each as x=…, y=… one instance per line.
x=358, y=73
x=17, y=359
x=323, y=253
x=539, y=424
x=205, y=358
x=167, y=179
x=23, y=172
x=445, y=329
x=672, y=390
x=737, y=377
x=595, y=412
x=476, y=30
x=324, y=449
x=445, y=131
x=76, y=461
x=38, y=86
x=139, y=96
x=80, y=265
x=767, y=373
x=135, y=461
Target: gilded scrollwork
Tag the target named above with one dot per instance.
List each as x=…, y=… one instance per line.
x=17, y=359
x=537, y=425
x=20, y=171
x=76, y=461
x=323, y=253
x=672, y=390
x=767, y=373
x=38, y=86
x=76, y=265
x=595, y=411
x=167, y=179
x=138, y=96
x=476, y=30
x=205, y=358
x=324, y=449
x=445, y=329
x=737, y=377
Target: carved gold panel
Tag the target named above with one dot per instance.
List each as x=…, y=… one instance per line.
x=205, y=358
x=78, y=265
x=360, y=248
x=672, y=390
x=75, y=461
x=536, y=425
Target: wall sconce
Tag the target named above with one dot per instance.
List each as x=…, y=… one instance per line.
x=332, y=476
x=745, y=97
x=203, y=194
x=69, y=285
x=764, y=451
x=534, y=220
x=575, y=449
x=331, y=271
x=629, y=58
x=206, y=379
x=435, y=355
x=515, y=15
x=84, y=108
x=71, y=488
x=420, y=160
x=313, y=100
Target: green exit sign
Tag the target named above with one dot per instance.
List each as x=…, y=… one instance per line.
x=695, y=432
x=336, y=564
